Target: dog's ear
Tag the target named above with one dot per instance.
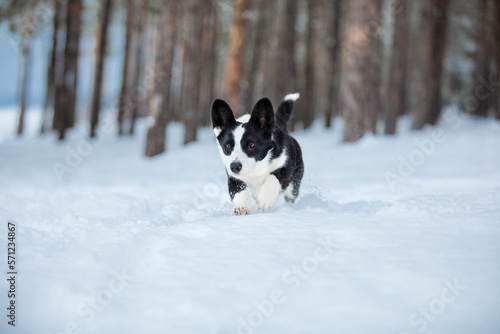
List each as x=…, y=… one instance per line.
x=222, y=116
x=263, y=114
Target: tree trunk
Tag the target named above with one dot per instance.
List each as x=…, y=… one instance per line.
x=497, y=55
x=263, y=21
x=123, y=104
x=307, y=108
x=155, y=139
x=99, y=66
x=286, y=65
x=138, y=90
x=483, y=60
x=208, y=50
x=27, y=31
x=234, y=67
x=65, y=103
x=397, y=86
x=51, y=69
x=430, y=65
x=361, y=63
x=193, y=68
x=333, y=46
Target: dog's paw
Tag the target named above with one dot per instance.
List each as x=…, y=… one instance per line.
x=238, y=211
x=268, y=193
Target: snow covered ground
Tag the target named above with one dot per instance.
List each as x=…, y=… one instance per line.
x=389, y=235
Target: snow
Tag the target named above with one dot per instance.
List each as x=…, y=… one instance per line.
x=117, y=243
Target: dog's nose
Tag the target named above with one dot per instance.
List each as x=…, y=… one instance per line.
x=236, y=167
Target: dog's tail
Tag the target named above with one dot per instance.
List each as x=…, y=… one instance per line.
x=284, y=112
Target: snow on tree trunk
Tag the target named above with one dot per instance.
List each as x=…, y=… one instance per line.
x=155, y=139
x=361, y=64
x=397, y=86
x=99, y=66
x=431, y=49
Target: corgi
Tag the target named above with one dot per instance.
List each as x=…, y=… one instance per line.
x=261, y=158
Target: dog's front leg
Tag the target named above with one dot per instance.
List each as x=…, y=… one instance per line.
x=268, y=193
x=240, y=197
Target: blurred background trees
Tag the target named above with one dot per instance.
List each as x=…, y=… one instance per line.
x=368, y=62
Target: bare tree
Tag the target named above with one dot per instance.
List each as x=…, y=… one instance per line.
x=483, y=59
x=234, y=67
x=333, y=47
x=155, y=139
x=65, y=102
x=361, y=63
x=431, y=49
x=397, y=86
x=99, y=65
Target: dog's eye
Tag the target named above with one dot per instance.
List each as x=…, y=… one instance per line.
x=228, y=146
x=251, y=145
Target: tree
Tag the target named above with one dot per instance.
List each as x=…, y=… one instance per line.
x=138, y=93
x=234, y=67
x=333, y=47
x=361, y=63
x=26, y=30
x=431, y=49
x=99, y=65
x=286, y=67
x=263, y=22
x=497, y=54
x=54, y=64
x=398, y=72
x=155, y=139
x=307, y=109
x=65, y=101
x=123, y=103
x=192, y=68
x=482, y=61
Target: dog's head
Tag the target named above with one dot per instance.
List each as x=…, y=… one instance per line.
x=245, y=143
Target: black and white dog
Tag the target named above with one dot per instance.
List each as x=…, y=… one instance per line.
x=259, y=155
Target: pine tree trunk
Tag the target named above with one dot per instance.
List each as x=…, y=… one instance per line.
x=208, y=65
x=65, y=102
x=397, y=86
x=139, y=93
x=483, y=59
x=430, y=65
x=26, y=27
x=123, y=104
x=51, y=69
x=236, y=55
x=193, y=69
x=286, y=65
x=99, y=66
x=155, y=139
x=361, y=63
x=333, y=45
x=497, y=55
x=307, y=107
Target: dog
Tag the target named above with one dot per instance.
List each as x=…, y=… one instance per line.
x=260, y=156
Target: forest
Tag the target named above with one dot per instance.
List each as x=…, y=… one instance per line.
x=365, y=62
